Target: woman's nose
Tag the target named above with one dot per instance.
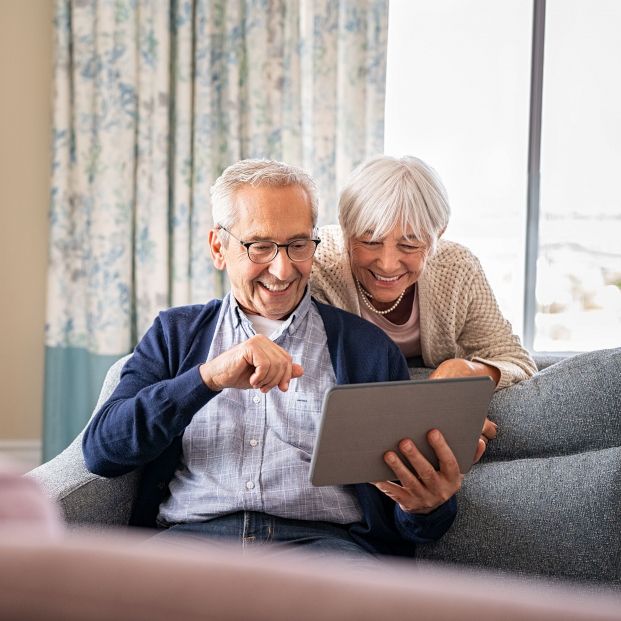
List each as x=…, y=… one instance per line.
x=388, y=258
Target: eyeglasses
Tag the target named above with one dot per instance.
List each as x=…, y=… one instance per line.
x=266, y=251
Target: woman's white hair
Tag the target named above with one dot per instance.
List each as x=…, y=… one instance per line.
x=257, y=173
x=385, y=192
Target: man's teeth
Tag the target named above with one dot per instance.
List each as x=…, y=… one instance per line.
x=384, y=279
x=275, y=287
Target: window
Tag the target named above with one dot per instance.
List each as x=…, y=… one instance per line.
x=458, y=91
x=579, y=264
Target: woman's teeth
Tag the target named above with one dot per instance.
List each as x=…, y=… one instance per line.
x=384, y=279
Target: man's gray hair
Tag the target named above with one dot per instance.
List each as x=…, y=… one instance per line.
x=257, y=173
x=385, y=192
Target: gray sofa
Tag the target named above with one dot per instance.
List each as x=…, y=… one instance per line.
x=545, y=499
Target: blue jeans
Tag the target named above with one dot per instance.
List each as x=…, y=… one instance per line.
x=253, y=529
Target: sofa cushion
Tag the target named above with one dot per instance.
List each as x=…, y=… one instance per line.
x=572, y=405
x=555, y=516
x=569, y=407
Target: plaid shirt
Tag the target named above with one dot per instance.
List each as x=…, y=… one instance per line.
x=249, y=451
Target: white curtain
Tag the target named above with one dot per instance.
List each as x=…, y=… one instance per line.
x=153, y=99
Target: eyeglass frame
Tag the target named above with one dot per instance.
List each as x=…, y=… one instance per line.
x=278, y=246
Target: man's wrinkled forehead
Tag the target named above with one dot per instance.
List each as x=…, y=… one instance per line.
x=261, y=209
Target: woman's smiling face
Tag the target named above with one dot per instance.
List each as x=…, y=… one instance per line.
x=387, y=266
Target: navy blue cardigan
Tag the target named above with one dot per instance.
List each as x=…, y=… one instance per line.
x=161, y=389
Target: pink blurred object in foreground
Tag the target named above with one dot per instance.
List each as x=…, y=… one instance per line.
x=24, y=505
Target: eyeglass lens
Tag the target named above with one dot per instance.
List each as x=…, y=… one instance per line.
x=297, y=250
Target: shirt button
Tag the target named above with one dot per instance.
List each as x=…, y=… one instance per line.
x=249, y=485
x=256, y=399
x=253, y=442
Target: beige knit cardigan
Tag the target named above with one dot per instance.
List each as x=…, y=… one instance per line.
x=459, y=315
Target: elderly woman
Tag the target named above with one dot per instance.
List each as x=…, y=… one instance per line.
x=388, y=263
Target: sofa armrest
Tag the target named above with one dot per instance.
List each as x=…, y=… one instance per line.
x=83, y=497
x=86, y=498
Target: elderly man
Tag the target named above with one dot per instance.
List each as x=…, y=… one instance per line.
x=220, y=402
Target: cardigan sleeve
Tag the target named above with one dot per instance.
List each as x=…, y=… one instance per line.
x=149, y=408
x=460, y=317
x=423, y=528
x=488, y=337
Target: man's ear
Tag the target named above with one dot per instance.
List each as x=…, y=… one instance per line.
x=215, y=248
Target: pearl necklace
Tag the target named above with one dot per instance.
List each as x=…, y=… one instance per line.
x=365, y=295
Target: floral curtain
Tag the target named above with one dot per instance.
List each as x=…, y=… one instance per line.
x=152, y=100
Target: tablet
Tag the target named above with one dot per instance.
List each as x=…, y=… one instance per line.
x=360, y=422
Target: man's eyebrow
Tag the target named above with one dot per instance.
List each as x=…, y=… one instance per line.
x=304, y=235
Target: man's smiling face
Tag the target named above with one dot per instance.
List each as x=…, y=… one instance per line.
x=280, y=214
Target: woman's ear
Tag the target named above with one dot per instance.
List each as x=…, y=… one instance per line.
x=215, y=248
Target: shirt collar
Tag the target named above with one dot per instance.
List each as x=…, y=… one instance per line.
x=291, y=324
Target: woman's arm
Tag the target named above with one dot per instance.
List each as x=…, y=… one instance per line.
x=488, y=337
x=460, y=367
x=460, y=303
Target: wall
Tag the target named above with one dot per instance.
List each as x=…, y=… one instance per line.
x=25, y=128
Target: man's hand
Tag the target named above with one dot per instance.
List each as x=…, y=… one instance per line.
x=255, y=363
x=428, y=488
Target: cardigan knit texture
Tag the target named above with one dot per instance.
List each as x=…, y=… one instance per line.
x=459, y=315
x=161, y=389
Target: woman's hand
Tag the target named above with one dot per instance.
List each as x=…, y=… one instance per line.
x=428, y=488
x=459, y=367
x=488, y=433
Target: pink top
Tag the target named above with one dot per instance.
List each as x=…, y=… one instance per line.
x=407, y=335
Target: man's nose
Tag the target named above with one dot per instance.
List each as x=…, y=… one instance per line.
x=281, y=266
